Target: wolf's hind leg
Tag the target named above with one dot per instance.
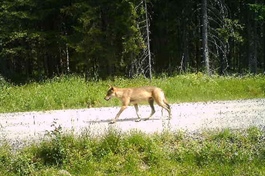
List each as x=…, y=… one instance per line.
x=163, y=103
x=166, y=106
x=137, y=113
x=151, y=103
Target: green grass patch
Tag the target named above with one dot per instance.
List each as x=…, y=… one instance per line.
x=210, y=153
x=74, y=92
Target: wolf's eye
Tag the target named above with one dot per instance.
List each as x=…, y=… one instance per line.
x=111, y=90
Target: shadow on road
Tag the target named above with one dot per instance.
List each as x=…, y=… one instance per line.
x=122, y=120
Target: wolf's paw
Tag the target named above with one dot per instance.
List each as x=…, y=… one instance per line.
x=112, y=122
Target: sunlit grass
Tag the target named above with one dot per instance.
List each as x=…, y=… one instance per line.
x=210, y=153
x=74, y=92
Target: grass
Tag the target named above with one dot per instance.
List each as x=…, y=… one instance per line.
x=221, y=153
x=210, y=153
x=74, y=92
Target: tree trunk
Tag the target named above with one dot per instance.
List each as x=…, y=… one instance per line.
x=205, y=36
x=67, y=59
x=148, y=42
x=263, y=49
x=185, y=57
x=252, y=43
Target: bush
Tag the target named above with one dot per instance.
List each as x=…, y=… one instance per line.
x=223, y=152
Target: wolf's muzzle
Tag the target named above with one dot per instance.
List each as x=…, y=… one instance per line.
x=107, y=98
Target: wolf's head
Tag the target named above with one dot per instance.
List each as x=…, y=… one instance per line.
x=110, y=93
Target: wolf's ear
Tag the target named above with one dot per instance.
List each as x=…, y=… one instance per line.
x=111, y=87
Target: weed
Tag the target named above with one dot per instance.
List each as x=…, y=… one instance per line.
x=170, y=153
x=23, y=165
x=53, y=152
x=5, y=157
x=212, y=153
x=74, y=92
x=108, y=145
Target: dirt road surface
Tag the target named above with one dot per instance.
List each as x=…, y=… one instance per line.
x=19, y=128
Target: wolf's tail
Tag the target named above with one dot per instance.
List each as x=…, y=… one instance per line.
x=160, y=99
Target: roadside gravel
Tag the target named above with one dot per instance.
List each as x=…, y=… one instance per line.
x=21, y=128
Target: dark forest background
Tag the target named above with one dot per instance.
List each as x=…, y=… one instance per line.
x=40, y=39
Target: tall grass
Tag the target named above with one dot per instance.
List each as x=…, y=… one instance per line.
x=74, y=92
x=211, y=153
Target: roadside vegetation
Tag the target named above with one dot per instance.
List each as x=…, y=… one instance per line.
x=216, y=153
x=74, y=92
x=225, y=152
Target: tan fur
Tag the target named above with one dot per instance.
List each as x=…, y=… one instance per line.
x=138, y=95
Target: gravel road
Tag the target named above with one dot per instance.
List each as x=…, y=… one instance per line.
x=189, y=117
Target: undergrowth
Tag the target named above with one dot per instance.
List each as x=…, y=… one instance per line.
x=223, y=152
x=74, y=92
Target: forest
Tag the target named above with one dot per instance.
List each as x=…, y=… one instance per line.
x=100, y=39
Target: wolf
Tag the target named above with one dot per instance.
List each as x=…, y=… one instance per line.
x=137, y=95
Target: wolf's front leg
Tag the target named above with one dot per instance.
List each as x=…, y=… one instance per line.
x=118, y=114
x=137, y=113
